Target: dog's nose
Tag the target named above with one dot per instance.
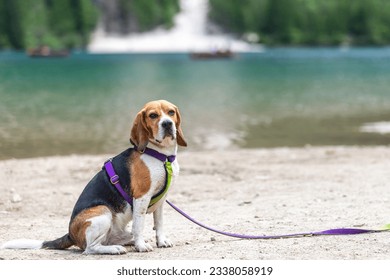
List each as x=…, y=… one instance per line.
x=167, y=124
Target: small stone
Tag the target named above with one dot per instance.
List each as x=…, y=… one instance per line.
x=359, y=225
x=213, y=239
x=244, y=203
x=16, y=198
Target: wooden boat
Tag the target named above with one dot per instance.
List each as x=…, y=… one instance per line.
x=45, y=51
x=212, y=55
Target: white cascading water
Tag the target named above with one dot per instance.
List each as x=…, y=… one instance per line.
x=189, y=34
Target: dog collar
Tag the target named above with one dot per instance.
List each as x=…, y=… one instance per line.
x=157, y=155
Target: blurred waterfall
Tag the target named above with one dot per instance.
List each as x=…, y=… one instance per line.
x=191, y=32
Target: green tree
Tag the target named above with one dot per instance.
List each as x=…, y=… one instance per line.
x=62, y=22
x=56, y=23
x=169, y=9
x=151, y=13
x=311, y=22
x=4, y=43
x=36, y=30
x=279, y=20
x=85, y=16
x=12, y=23
x=229, y=14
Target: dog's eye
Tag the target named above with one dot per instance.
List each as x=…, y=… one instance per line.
x=153, y=116
x=171, y=112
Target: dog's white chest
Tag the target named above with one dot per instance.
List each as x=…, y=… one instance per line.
x=158, y=176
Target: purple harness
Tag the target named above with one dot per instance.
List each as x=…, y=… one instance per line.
x=114, y=179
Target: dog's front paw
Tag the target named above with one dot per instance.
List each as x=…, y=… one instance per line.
x=163, y=242
x=142, y=246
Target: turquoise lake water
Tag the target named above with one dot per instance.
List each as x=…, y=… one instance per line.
x=85, y=103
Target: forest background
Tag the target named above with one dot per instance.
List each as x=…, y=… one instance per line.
x=70, y=23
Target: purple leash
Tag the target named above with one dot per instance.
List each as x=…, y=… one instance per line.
x=114, y=179
x=337, y=231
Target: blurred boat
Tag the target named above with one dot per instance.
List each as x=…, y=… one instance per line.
x=212, y=54
x=46, y=51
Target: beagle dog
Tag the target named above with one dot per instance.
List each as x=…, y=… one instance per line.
x=98, y=224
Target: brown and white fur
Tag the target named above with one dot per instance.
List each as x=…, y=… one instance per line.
x=102, y=228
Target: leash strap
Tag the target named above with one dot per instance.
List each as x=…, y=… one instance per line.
x=337, y=231
x=114, y=179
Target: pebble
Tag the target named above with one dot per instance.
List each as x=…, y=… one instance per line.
x=16, y=198
x=213, y=239
x=244, y=203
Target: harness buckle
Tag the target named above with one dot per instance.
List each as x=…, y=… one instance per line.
x=114, y=179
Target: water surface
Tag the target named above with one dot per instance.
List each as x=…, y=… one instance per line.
x=281, y=97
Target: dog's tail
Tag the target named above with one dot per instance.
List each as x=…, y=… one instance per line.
x=59, y=243
x=23, y=244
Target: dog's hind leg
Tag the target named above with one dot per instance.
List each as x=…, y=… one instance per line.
x=91, y=229
x=120, y=232
x=97, y=235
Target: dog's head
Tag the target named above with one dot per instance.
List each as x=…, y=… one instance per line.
x=159, y=123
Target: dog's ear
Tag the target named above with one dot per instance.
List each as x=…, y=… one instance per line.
x=179, y=132
x=139, y=132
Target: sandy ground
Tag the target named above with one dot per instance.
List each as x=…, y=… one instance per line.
x=264, y=191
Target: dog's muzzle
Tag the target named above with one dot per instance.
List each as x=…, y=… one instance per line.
x=168, y=129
